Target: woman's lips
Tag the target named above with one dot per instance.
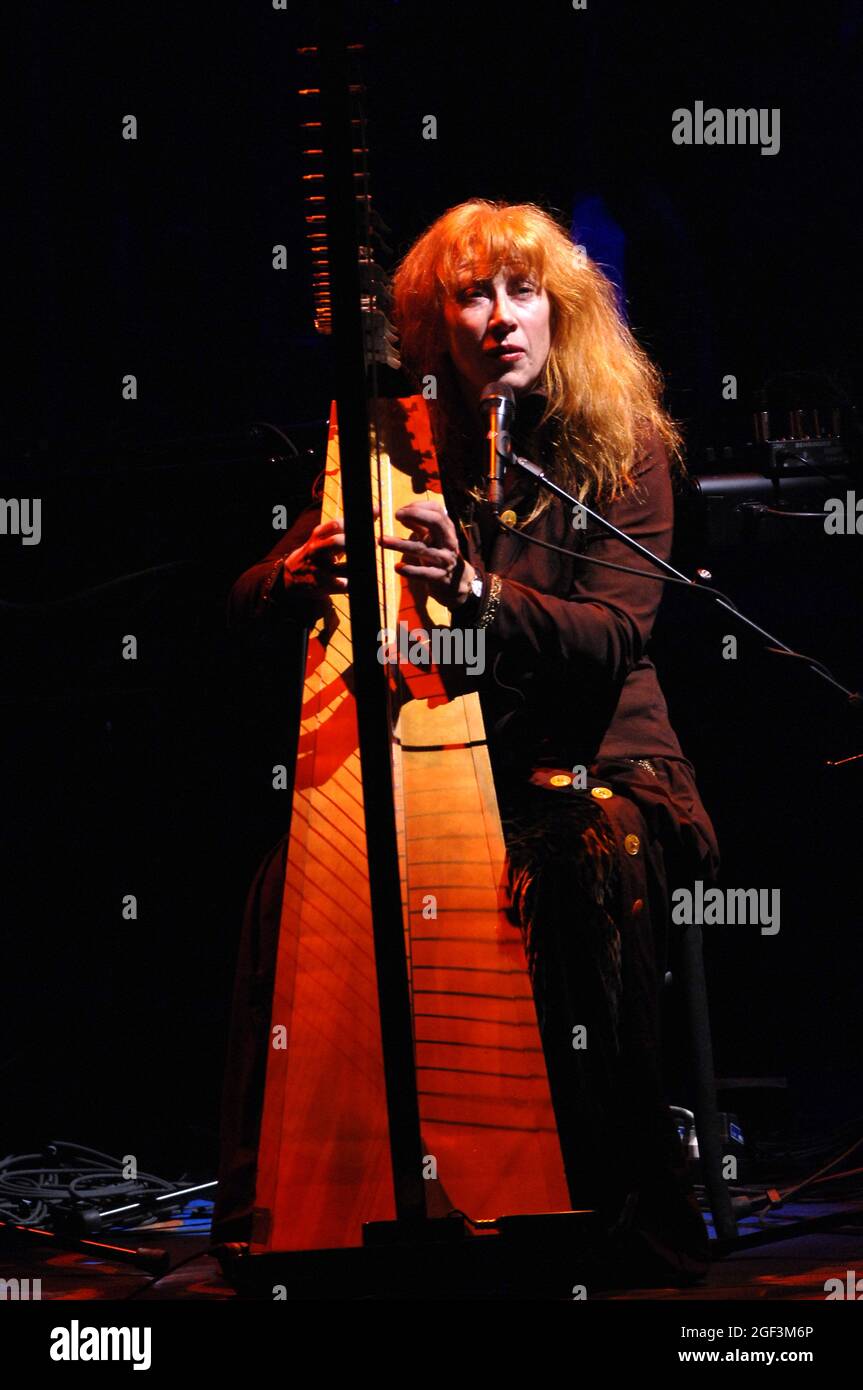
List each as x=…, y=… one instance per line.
x=506, y=354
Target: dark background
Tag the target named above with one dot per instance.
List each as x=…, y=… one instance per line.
x=154, y=257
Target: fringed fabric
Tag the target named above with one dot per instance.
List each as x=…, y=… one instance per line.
x=563, y=881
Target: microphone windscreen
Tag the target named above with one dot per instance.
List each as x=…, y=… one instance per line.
x=498, y=388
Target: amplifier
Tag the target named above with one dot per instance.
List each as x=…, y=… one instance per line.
x=779, y=458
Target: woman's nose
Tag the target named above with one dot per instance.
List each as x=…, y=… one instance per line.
x=501, y=314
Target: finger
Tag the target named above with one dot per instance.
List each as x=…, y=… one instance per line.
x=426, y=514
x=417, y=529
x=416, y=543
x=422, y=572
x=329, y=546
x=424, y=511
x=442, y=536
x=400, y=543
x=423, y=554
x=335, y=585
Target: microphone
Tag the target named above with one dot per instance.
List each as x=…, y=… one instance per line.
x=497, y=404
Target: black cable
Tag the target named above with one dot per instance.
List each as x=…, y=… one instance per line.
x=612, y=565
x=762, y=509
x=266, y=425
x=825, y=1168
x=838, y=1177
x=668, y=579
x=770, y=1199
x=776, y=1152
x=798, y=656
x=774, y=511
x=58, y=1192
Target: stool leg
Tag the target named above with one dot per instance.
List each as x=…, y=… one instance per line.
x=706, y=1110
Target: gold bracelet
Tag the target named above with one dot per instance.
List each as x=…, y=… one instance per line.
x=492, y=602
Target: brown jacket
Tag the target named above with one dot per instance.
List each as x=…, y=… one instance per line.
x=568, y=680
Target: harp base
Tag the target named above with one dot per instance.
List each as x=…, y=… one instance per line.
x=521, y=1257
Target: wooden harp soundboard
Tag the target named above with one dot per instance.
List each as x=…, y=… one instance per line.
x=489, y=1140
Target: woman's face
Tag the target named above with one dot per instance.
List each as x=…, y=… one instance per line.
x=499, y=330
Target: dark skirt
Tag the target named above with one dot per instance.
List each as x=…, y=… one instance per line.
x=591, y=876
x=591, y=872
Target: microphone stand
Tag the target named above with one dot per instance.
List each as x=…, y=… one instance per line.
x=855, y=699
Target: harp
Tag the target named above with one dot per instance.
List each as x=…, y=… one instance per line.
x=405, y=1074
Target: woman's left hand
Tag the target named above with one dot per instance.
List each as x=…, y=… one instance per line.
x=432, y=554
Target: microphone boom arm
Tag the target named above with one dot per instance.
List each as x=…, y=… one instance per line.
x=855, y=699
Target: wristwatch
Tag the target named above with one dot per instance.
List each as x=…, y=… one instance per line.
x=471, y=606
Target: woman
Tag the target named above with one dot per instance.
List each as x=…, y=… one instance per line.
x=599, y=803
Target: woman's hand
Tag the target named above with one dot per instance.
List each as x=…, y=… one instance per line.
x=432, y=554
x=316, y=568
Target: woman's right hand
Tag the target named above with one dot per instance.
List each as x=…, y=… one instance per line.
x=317, y=568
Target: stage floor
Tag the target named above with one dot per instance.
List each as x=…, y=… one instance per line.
x=794, y=1269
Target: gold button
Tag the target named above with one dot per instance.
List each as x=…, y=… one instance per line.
x=560, y=779
x=632, y=844
x=602, y=793
x=508, y=518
